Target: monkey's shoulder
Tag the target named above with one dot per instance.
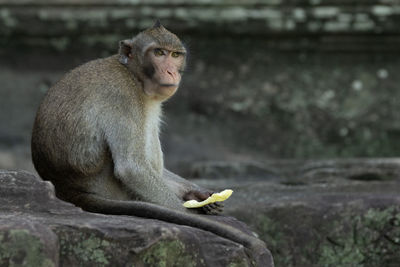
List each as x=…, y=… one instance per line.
x=97, y=76
x=101, y=70
x=98, y=86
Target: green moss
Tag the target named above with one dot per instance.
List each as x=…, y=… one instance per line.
x=86, y=248
x=277, y=241
x=373, y=240
x=238, y=264
x=168, y=253
x=364, y=240
x=21, y=248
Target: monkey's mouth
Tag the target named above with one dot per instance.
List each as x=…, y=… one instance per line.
x=169, y=85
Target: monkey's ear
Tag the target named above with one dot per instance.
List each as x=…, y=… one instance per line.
x=157, y=24
x=125, y=51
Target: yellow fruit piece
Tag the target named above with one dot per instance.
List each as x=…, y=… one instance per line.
x=216, y=197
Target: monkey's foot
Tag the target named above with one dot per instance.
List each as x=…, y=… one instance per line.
x=216, y=197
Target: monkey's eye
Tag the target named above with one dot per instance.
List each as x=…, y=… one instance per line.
x=175, y=54
x=158, y=52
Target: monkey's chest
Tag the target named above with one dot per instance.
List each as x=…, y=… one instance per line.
x=152, y=149
x=152, y=146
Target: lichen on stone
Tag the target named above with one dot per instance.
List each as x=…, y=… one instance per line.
x=86, y=248
x=168, y=253
x=372, y=240
x=19, y=247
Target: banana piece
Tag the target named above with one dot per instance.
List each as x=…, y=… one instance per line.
x=216, y=197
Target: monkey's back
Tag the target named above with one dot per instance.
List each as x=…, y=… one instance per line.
x=68, y=140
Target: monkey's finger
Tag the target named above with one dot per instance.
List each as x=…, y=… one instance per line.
x=216, y=211
x=211, y=209
x=217, y=207
x=208, y=210
x=219, y=204
x=213, y=206
x=212, y=212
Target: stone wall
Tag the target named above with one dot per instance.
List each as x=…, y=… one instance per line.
x=273, y=78
x=68, y=23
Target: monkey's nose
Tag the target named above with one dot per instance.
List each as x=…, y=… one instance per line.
x=173, y=76
x=171, y=73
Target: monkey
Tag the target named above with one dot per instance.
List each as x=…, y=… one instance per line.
x=96, y=138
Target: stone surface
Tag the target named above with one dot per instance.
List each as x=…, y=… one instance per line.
x=37, y=229
x=318, y=213
x=310, y=213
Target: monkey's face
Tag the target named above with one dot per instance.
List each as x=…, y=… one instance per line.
x=157, y=58
x=162, y=68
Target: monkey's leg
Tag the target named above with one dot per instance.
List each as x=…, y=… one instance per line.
x=94, y=203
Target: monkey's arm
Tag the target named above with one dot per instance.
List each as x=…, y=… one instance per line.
x=187, y=190
x=178, y=184
x=131, y=168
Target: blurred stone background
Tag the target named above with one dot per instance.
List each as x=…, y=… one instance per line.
x=267, y=79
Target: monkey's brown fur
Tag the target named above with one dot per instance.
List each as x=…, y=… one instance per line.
x=96, y=137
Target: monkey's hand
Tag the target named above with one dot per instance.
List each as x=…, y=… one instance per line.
x=210, y=203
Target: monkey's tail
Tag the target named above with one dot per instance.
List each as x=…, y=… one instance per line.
x=256, y=247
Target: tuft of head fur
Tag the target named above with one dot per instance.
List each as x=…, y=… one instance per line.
x=161, y=36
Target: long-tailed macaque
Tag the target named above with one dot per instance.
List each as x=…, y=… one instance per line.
x=96, y=137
